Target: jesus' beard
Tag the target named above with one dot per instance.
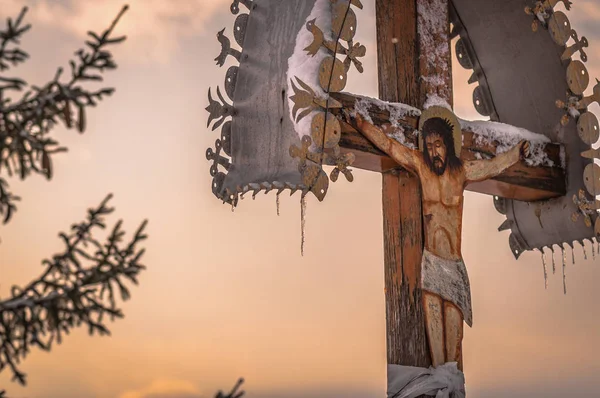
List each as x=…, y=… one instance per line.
x=438, y=166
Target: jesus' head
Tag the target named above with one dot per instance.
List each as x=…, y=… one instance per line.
x=438, y=146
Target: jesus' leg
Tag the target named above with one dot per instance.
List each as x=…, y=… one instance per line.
x=453, y=327
x=434, y=321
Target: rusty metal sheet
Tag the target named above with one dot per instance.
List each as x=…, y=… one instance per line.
x=259, y=134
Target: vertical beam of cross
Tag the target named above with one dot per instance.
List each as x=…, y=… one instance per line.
x=412, y=66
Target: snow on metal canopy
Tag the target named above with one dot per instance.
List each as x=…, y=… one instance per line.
x=530, y=72
x=260, y=148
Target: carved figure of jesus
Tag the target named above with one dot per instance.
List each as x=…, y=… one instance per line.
x=443, y=176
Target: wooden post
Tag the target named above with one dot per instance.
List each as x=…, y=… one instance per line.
x=400, y=67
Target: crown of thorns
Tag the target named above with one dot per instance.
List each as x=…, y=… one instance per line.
x=447, y=119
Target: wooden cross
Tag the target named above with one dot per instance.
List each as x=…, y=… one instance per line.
x=407, y=63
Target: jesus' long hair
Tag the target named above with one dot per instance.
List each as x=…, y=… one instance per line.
x=444, y=128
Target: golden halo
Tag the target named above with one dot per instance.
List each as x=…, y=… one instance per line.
x=442, y=113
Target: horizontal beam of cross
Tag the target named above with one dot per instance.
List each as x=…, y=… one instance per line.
x=520, y=182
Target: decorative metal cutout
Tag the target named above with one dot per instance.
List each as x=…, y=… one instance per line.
x=560, y=28
x=231, y=80
x=591, y=178
x=226, y=49
x=595, y=97
x=481, y=101
x=308, y=101
x=467, y=58
x=235, y=6
x=575, y=104
x=543, y=10
x=578, y=77
x=231, y=182
x=309, y=166
x=217, y=159
x=239, y=29
x=577, y=47
x=588, y=128
x=587, y=208
x=218, y=111
x=464, y=58
x=332, y=77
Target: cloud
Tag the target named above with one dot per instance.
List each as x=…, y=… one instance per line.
x=155, y=26
x=165, y=388
x=589, y=10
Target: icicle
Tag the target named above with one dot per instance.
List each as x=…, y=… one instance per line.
x=302, y=222
x=553, y=263
x=545, y=269
x=277, y=202
x=593, y=251
x=564, y=266
x=232, y=207
x=584, y=251
x=573, y=254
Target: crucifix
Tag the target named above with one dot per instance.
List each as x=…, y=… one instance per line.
x=427, y=287
x=427, y=155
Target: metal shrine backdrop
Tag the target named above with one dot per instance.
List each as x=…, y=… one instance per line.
x=532, y=75
x=521, y=75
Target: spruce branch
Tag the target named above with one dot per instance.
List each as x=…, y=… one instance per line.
x=12, y=35
x=234, y=392
x=25, y=147
x=78, y=287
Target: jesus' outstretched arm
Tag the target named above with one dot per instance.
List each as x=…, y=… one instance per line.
x=404, y=156
x=481, y=170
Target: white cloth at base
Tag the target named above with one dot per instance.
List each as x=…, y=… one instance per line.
x=445, y=381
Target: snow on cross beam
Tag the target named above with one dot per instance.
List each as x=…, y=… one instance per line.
x=538, y=178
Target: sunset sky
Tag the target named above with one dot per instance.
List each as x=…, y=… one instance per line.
x=228, y=294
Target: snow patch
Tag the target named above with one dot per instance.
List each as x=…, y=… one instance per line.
x=306, y=68
x=504, y=136
x=436, y=100
x=507, y=137
x=397, y=112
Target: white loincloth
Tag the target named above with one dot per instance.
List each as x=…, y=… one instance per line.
x=449, y=280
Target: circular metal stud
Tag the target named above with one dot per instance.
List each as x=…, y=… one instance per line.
x=462, y=54
x=481, y=102
x=239, y=28
x=578, y=77
x=226, y=138
x=230, y=81
x=326, y=133
x=591, y=178
x=560, y=28
x=332, y=75
x=500, y=204
x=343, y=21
x=217, y=184
x=588, y=128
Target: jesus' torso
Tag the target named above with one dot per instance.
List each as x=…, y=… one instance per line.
x=442, y=210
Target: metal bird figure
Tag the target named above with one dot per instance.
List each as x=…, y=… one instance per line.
x=226, y=49
x=318, y=40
